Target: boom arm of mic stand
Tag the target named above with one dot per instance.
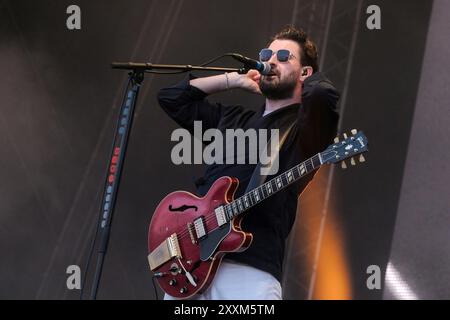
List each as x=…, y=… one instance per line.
x=174, y=67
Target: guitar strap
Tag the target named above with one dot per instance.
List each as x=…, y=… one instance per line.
x=257, y=178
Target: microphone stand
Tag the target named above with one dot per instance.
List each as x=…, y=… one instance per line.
x=119, y=147
x=142, y=67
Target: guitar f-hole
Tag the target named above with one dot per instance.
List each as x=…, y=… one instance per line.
x=182, y=208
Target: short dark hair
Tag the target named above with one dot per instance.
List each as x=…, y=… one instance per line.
x=309, y=54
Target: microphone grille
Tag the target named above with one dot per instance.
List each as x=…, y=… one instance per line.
x=266, y=69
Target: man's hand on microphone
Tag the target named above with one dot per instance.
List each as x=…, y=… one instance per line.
x=248, y=81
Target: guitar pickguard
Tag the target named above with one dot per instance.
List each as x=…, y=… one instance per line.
x=209, y=244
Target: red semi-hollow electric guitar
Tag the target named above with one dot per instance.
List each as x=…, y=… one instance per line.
x=189, y=236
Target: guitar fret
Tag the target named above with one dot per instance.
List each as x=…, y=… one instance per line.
x=252, y=198
x=284, y=179
x=310, y=167
x=240, y=205
x=290, y=176
x=227, y=212
x=246, y=202
x=301, y=169
x=273, y=184
x=230, y=211
x=296, y=171
x=316, y=162
x=279, y=183
x=261, y=191
x=235, y=211
x=263, y=188
x=255, y=192
x=269, y=188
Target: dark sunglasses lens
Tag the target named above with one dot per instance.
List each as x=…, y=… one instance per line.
x=265, y=54
x=283, y=55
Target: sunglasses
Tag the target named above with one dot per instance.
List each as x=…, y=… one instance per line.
x=283, y=55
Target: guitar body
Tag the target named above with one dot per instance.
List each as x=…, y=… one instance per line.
x=189, y=236
x=200, y=257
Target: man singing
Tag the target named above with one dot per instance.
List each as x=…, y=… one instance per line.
x=296, y=92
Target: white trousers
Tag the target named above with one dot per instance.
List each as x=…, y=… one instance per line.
x=236, y=281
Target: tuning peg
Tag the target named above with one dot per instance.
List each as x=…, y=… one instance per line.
x=352, y=161
x=354, y=131
x=361, y=158
x=345, y=136
x=343, y=165
x=336, y=140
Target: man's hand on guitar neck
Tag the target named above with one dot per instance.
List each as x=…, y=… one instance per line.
x=226, y=81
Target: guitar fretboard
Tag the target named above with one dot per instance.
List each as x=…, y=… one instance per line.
x=271, y=187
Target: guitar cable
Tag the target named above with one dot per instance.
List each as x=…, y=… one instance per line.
x=159, y=275
x=154, y=286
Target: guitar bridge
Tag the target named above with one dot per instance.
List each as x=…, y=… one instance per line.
x=168, y=249
x=190, y=228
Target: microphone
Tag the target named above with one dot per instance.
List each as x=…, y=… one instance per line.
x=263, y=67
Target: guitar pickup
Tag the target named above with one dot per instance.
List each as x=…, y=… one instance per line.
x=200, y=228
x=220, y=216
x=168, y=249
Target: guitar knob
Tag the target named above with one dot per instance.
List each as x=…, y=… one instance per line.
x=172, y=282
x=174, y=269
x=183, y=290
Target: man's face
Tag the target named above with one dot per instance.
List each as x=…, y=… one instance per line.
x=284, y=76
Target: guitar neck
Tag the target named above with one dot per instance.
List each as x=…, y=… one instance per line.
x=271, y=187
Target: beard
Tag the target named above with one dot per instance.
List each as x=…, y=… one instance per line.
x=276, y=88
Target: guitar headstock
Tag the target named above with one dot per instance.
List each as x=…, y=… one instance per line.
x=348, y=147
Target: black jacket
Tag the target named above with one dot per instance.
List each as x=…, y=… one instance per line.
x=316, y=124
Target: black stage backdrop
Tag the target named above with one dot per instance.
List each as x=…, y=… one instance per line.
x=60, y=98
